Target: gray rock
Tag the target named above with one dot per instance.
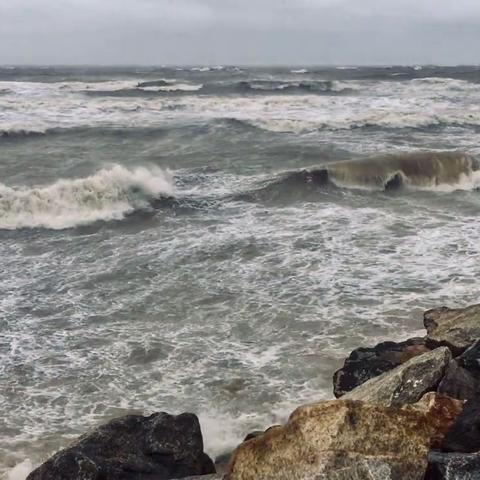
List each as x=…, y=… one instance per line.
x=158, y=447
x=366, y=363
x=406, y=383
x=457, y=328
x=453, y=466
x=458, y=383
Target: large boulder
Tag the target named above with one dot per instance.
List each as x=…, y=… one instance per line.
x=366, y=363
x=456, y=328
x=453, y=466
x=158, y=447
x=348, y=440
x=406, y=383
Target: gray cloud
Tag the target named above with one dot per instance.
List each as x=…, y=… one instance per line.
x=239, y=32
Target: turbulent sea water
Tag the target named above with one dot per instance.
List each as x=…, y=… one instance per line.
x=217, y=240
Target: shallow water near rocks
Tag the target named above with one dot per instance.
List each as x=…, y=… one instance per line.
x=162, y=249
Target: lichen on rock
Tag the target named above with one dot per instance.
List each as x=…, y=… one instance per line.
x=347, y=439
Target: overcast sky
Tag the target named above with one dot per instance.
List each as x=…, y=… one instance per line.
x=239, y=31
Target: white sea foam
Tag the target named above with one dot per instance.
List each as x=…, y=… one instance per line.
x=416, y=104
x=413, y=104
x=20, y=471
x=109, y=194
x=302, y=70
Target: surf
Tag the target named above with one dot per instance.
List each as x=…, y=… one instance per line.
x=426, y=171
x=423, y=170
x=109, y=194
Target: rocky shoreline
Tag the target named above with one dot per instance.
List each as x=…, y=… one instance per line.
x=404, y=411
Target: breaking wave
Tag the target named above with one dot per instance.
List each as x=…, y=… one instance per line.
x=110, y=194
x=437, y=171
x=423, y=170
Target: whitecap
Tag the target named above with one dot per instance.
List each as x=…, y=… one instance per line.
x=110, y=194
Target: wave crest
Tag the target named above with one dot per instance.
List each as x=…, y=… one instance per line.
x=430, y=171
x=110, y=194
x=420, y=170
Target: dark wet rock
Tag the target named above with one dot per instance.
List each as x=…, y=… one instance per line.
x=464, y=435
x=348, y=440
x=158, y=447
x=453, y=466
x=366, y=363
x=253, y=434
x=222, y=461
x=458, y=383
x=457, y=328
x=470, y=359
x=406, y=383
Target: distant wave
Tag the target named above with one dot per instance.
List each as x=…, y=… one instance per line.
x=430, y=171
x=373, y=119
x=217, y=68
x=171, y=87
x=21, y=133
x=110, y=194
x=155, y=83
x=319, y=86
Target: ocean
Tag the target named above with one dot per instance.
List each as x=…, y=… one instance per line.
x=218, y=239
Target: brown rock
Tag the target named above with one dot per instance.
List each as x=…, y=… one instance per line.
x=457, y=328
x=348, y=440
